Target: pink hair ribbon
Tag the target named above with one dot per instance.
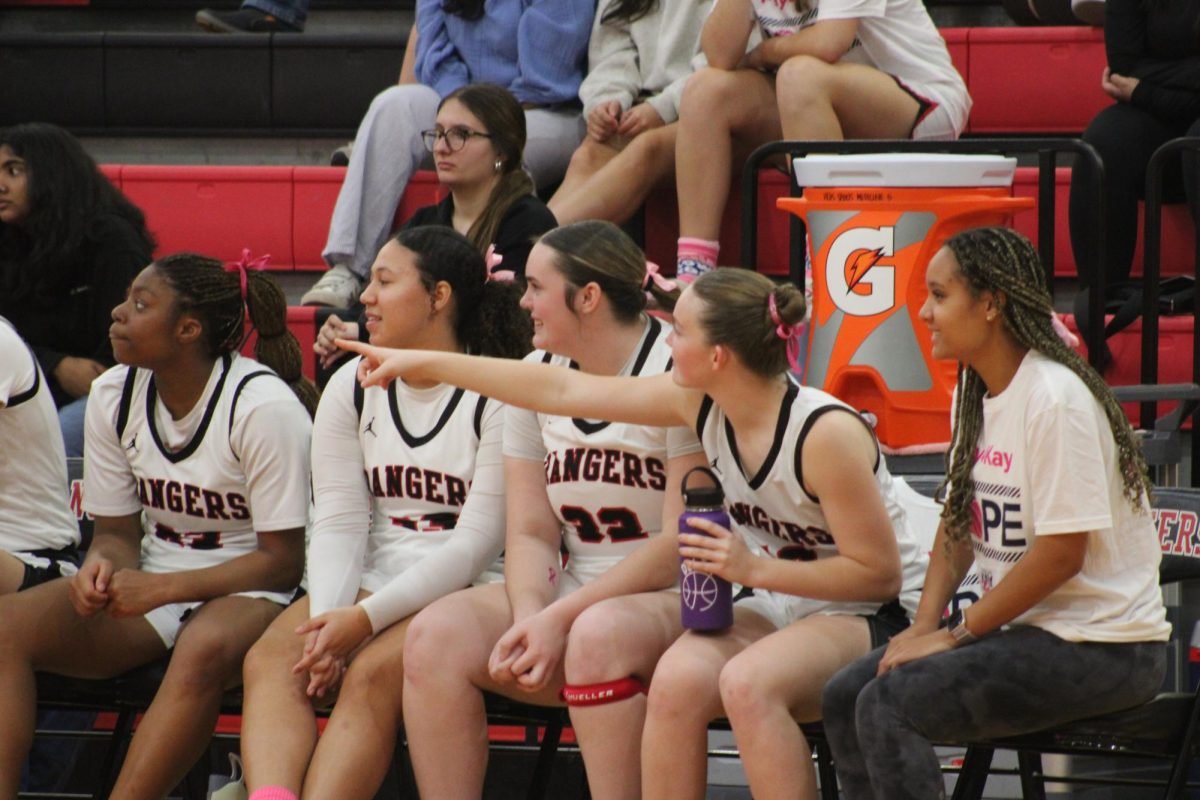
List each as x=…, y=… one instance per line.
x=652, y=274
x=244, y=263
x=789, y=333
x=491, y=260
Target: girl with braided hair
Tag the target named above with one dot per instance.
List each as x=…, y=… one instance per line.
x=197, y=475
x=818, y=535
x=1047, y=494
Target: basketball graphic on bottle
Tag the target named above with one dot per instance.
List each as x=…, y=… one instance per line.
x=698, y=591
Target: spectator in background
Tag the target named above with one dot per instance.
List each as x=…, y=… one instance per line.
x=534, y=48
x=640, y=56
x=257, y=16
x=1153, y=73
x=70, y=244
x=477, y=143
x=825, y=70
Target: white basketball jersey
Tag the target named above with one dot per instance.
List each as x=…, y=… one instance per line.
x=605, y=480
x=419, y=448
x=34, y=513
x=773, y=512
x=194, y=490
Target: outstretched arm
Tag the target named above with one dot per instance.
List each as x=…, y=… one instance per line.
x=653, y=400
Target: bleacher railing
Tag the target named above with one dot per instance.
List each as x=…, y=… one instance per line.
x=1152, y=270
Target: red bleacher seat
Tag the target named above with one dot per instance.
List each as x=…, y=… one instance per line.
x=315, y=194
x=301, y=321
x=216, y=210
x=662, y=225
x=113, y=173
x=1178, y=242
x=1174, y=356
x=1035, y=80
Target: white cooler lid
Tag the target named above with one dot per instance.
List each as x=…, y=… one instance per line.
x=904, y=170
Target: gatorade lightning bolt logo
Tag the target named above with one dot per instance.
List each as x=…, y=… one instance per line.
x=860, y=284
x=860, y=262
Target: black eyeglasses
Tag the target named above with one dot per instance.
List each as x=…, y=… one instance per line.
x=455, y=137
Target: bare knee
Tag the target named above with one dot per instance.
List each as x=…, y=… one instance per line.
x=684, y=689
x=709, y=95
x=801, y=81
x=433, y=647
x=742, y=696
x=205, y=658
x=272, y=656
x=590, y=156
x=594, y=648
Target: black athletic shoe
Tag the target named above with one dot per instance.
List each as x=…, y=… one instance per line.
x=244, y=20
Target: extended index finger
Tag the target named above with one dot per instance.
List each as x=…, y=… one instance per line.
x=355, y=346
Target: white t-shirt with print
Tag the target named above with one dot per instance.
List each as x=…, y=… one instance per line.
x=1046, y=464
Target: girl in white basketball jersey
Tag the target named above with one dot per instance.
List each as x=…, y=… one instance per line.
x=39, y=537
x=409, y=494
x=806, y=487
x=197, y=475
x=604, y=492
x=1048, y=496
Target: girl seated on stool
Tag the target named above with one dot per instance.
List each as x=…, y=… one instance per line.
x=197, y=475
x=1048, y=495
x=428, y=519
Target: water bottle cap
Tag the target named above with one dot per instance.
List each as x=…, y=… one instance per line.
x=703, y=496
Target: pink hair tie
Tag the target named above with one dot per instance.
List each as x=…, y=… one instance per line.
x=491, y=260
x=789, y=333
x=652, y=274
x=244, y=263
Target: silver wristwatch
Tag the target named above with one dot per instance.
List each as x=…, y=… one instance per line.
x=958, y=628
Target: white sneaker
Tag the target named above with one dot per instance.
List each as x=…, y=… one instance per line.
x=338, y=288
x=231, y=788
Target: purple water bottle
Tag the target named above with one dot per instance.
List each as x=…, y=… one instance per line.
x=706, y=601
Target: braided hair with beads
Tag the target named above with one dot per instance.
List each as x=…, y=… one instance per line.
x=214, y=296
x=1002, y=261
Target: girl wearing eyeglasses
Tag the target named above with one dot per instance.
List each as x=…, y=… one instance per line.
x=536, y=49
x=476, y=147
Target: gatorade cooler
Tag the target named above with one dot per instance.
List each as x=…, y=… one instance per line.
x=874, y=221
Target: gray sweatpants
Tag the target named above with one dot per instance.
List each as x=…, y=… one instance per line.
x=388, y=150
x=1015, y=681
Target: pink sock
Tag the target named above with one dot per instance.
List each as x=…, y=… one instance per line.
x=694, y=257
x=272, y=793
